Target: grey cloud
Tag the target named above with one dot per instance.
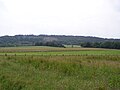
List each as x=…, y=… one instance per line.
x=102, y=21
x=116, y=4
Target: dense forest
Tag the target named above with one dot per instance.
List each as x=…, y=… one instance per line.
x=57, y=40
x=110, y=45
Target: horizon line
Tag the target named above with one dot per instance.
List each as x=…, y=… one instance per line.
x=60, y=35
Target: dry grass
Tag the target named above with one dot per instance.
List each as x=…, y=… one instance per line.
x=40, y=48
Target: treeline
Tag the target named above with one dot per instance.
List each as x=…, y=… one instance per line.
x=109, y=45
x=52, y=44
x=51, y=40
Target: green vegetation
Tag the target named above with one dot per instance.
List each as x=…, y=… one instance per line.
x=48, y=68
x=43, y=50
x=110, y=45
x=50, y=43
x=31, y=40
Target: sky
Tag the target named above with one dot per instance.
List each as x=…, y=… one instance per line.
x=99, y=18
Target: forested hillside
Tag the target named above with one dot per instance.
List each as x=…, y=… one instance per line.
x=31, y=40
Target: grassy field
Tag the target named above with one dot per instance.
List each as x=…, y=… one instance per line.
x=38, y=50
x=48, y=68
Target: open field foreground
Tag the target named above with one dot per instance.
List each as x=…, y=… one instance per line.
x=68, y=69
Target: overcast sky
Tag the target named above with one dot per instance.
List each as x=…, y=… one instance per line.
x=99, y=18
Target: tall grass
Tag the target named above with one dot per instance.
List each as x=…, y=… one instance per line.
x=80, y=72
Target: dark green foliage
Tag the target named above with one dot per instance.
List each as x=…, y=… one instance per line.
x=53, y=44
x=31, y=40
x=86, y=44
x=110, y=45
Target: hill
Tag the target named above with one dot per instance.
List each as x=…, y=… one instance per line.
x=31, y=40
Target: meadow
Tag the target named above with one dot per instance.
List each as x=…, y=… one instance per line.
x=49, y=68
